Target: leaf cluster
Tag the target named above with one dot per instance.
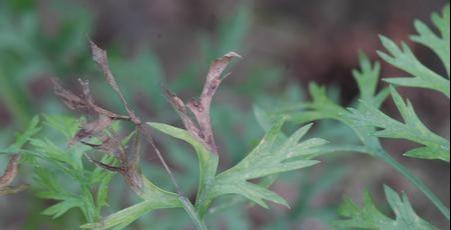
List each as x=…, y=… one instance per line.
x=266, y=159
x=64, y=174
x=370, y=124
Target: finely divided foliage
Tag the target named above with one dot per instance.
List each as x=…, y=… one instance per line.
x=435, y=147
x=97, y=147
x=274, y=154
x=369, y=123
x=54, y=166
x=404, y=59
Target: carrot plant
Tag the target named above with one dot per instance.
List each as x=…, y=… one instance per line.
x=102, y=143
x=272, y=156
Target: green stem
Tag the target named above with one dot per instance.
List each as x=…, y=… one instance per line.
x=415, y=181
x=189, y=208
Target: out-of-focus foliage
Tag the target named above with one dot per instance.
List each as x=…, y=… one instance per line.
x=369, y=217
x=27, y=53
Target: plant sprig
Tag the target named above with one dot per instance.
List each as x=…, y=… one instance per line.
x=365, y=117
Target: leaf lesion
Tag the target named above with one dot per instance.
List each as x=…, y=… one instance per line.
x=9, y=175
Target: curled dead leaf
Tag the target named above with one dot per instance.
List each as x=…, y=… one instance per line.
x=201, y=107
x=10, y=171
x=84, y=103
x=8, y=190
x=8, y=176
x=101, y=58
x=180, y=108
x=71, y=100
x=94, y=128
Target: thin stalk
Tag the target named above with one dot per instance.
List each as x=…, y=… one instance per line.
x=415, y=181
x=189, y=208
x=187, y=205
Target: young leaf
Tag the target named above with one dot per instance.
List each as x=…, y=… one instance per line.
x=23, y=138
x=270, y=157
x=368, y=76
x=65, y=125
x=369, y=217
x=321, y=107
x=367, y=80
x=62, y=207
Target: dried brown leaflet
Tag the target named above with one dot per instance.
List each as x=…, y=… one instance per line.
x=100, y=57
x=85, y=103
x=100, y=127
x=8, y=176
x=203, y=130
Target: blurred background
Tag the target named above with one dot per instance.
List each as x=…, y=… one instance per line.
x=285, y=45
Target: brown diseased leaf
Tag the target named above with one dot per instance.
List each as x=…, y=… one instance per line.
x=93, y=128
x=180, y=108
x=112, y=144
x=127, y=167
x=11, y=190
x=201, y=107
x=10, y=172
x=100, y=57
x=87, y=92
x=8, y=176
x=86, y=103
x=71, y=100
